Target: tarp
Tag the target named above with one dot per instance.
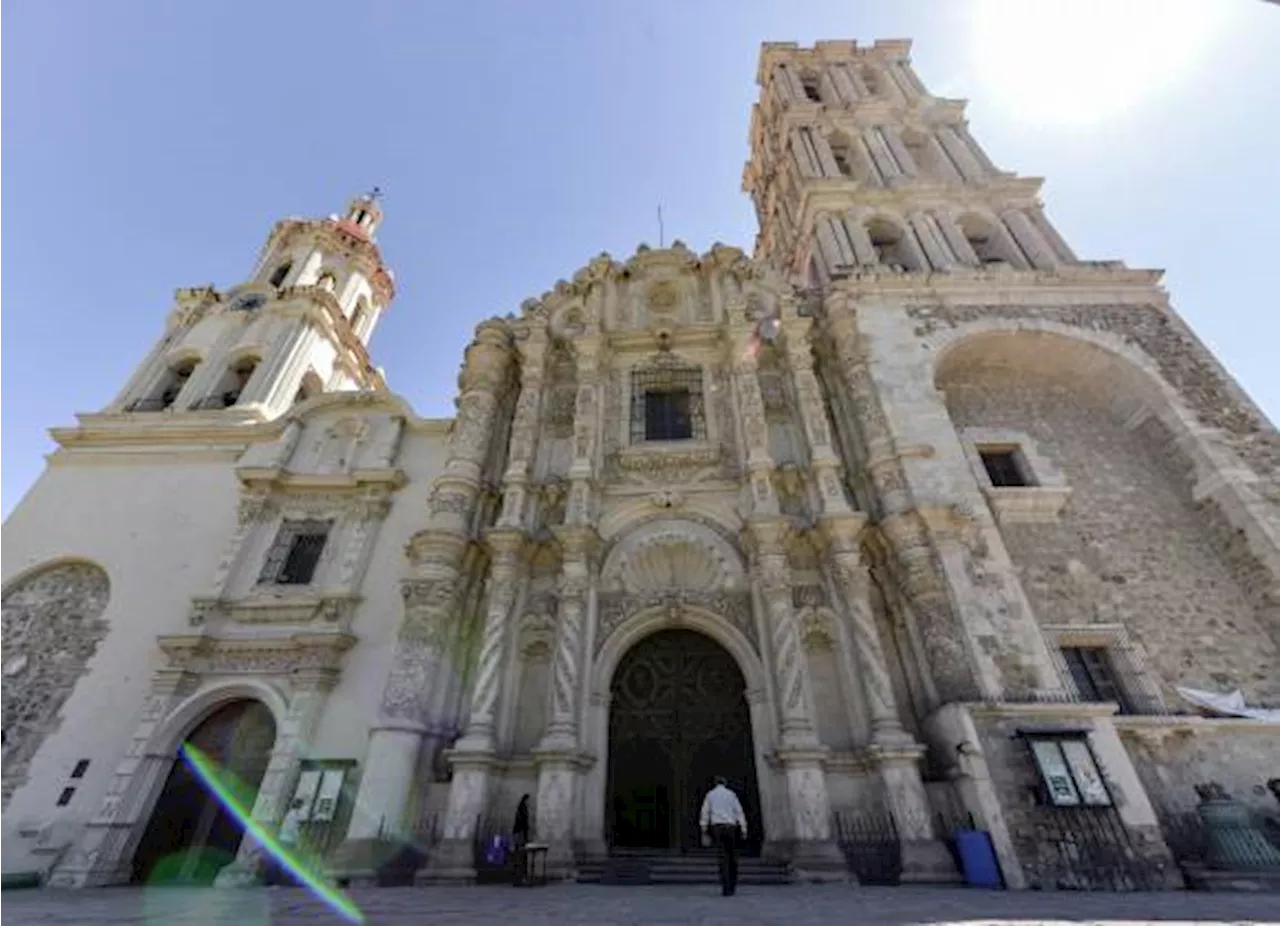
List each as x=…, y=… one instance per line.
x=1228, y=705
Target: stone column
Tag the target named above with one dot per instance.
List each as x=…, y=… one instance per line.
x=103, y=854
x=474, y=756
x=524, y=432
x=900, y=153
x=955, y=238
x=934, y=249
x=1030, y=239
x=814, y=852
x=896, y=754
x=863, y=249
x=944, y=638
x=971, y=145
x=956, y=146
x=806, y=154
x=559, y=754
x=293, y=738
x=879, y=153
x=430, y=600
x=1056, y=242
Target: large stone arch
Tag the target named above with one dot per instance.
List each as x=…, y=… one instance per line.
x=1100, y=411
x=105, y=851
x=53, y=625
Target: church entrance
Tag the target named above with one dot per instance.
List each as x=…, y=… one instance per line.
x=678, y=717
x=192, y=835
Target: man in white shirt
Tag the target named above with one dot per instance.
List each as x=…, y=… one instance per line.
x=722, y=820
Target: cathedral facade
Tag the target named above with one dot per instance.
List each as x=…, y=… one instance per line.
x=912, y=512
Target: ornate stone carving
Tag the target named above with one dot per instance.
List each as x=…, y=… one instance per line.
x=615, y=609
x=53, y=626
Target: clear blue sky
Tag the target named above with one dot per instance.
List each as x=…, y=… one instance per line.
x=151, y=145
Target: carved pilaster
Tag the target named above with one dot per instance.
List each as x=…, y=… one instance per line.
x=524, y=431
x=586, y=433
x=751, y=415
x=826, y=463
x=922, y=582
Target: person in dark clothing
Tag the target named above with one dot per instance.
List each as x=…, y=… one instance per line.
x=520, y=836
x=722, y=820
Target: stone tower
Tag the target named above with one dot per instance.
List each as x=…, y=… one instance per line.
x=298, y=327
x=854, y=164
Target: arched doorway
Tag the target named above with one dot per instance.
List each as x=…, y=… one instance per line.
x=678, y=717
x=192, y=835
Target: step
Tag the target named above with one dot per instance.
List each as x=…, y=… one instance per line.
x=660, y=868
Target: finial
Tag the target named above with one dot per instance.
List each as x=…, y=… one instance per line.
x=374, y=195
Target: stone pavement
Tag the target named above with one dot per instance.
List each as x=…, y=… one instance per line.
x=590, y=905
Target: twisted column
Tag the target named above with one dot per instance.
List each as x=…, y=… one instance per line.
x=430, y=600
x=827, y=471
x=504, y=575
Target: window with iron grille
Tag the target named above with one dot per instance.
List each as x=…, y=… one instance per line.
x=1094, y=675
x=1003, y=468
x=667, y=403
x=295, y=554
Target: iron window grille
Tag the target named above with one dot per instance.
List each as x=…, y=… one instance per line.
x=667, y=402
x=294, y=556
x=1094, y=675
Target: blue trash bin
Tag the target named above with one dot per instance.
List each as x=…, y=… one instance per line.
x=978, y=859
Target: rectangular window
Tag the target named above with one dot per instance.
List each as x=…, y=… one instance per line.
x=1095, y=679
x=1003, y=468
x=666, y=415
x=65, y=797
x=667, y=402
x=81, y=767
x=296, y=552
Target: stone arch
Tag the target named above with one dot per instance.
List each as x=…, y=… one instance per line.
x=185, y=723
x=53, y=625
x=893, y=241
x=622, y=640
x=1140, y=469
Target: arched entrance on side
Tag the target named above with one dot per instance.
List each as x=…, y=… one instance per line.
x=678, y=717
x=191, y=834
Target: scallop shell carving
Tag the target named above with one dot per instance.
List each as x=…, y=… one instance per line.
x=673, y=562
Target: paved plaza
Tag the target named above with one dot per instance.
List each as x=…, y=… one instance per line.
x=567, y=905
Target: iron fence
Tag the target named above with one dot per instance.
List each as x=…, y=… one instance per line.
x=1090, y=849
x=1187, y=837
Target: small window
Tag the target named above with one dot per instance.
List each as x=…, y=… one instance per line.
x=277, y=278
x=1003, y=468
x=843, y=159
x=294, y=556
x=81, y=767
x=65, y=797
x=1094, y=675
x=327, y=281
x=667, y=402
x=811, y=90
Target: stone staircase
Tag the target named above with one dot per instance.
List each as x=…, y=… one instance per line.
x=656, y=867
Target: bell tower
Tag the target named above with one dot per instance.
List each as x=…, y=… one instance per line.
x=297, y=327
x=855, y=167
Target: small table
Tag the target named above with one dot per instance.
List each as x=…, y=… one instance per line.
x=529, y=873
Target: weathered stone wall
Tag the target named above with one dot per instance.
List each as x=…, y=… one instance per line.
x=1035, y=829
x=1240, y=755
x=1130, y=547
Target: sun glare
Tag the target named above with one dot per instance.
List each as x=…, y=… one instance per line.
x=1080, y=63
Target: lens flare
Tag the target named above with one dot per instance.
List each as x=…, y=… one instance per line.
x=222, y=789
